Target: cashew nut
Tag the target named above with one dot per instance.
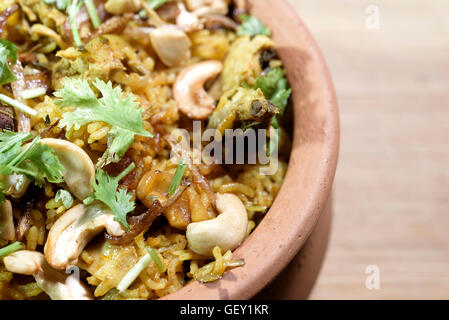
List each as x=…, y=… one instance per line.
x=171, y=44
x=189, y=90
x=226, y=231
x=80, y=170
x=57, y=284
x=73, y=231
x=7, y=231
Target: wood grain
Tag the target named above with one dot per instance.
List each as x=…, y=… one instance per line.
x=391, y=199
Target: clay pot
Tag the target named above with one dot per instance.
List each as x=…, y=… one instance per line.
x=305, y=192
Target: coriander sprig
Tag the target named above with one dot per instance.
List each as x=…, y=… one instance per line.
x=114, y=108
x=119, y=201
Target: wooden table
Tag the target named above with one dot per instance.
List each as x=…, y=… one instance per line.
x=391, y=199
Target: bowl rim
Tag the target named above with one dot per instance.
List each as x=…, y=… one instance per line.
x=254, y=282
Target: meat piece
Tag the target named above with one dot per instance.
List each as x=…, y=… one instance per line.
x=240, y=106
x=242, y=64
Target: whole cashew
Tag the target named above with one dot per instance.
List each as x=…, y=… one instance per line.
x=73, y=231
x=57, y=284
x=189, y=92
x=79, y=168
x=226, y=231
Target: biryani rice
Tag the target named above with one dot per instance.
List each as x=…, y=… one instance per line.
x=103, y=264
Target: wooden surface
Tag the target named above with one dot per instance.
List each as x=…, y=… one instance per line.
x=391, y=199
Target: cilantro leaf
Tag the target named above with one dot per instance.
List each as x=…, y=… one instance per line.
x=105, y=190
x=114, y=108
x=275, y=88
x=252, y=26
x=65, y=197
x=8, y=53
x=35, y=160
x=154, y=4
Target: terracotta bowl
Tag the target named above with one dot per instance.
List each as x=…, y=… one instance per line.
x=305, y=192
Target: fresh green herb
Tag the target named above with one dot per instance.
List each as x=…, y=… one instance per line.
x=133, y=273
x=35, y=160
x=65, y=197
x=8, y=54
x=114, y=108
x=252, y=26
x=154, y=4
x=18, y=105
x=13, y=247
x=156, y=259
x=93, y=14
x=72, y=11
x=60, y=4
x=33, y=93
x=105, y=190
x=275, y=88
x=177, y=177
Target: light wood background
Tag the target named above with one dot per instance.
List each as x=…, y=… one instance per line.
x=391, y=198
